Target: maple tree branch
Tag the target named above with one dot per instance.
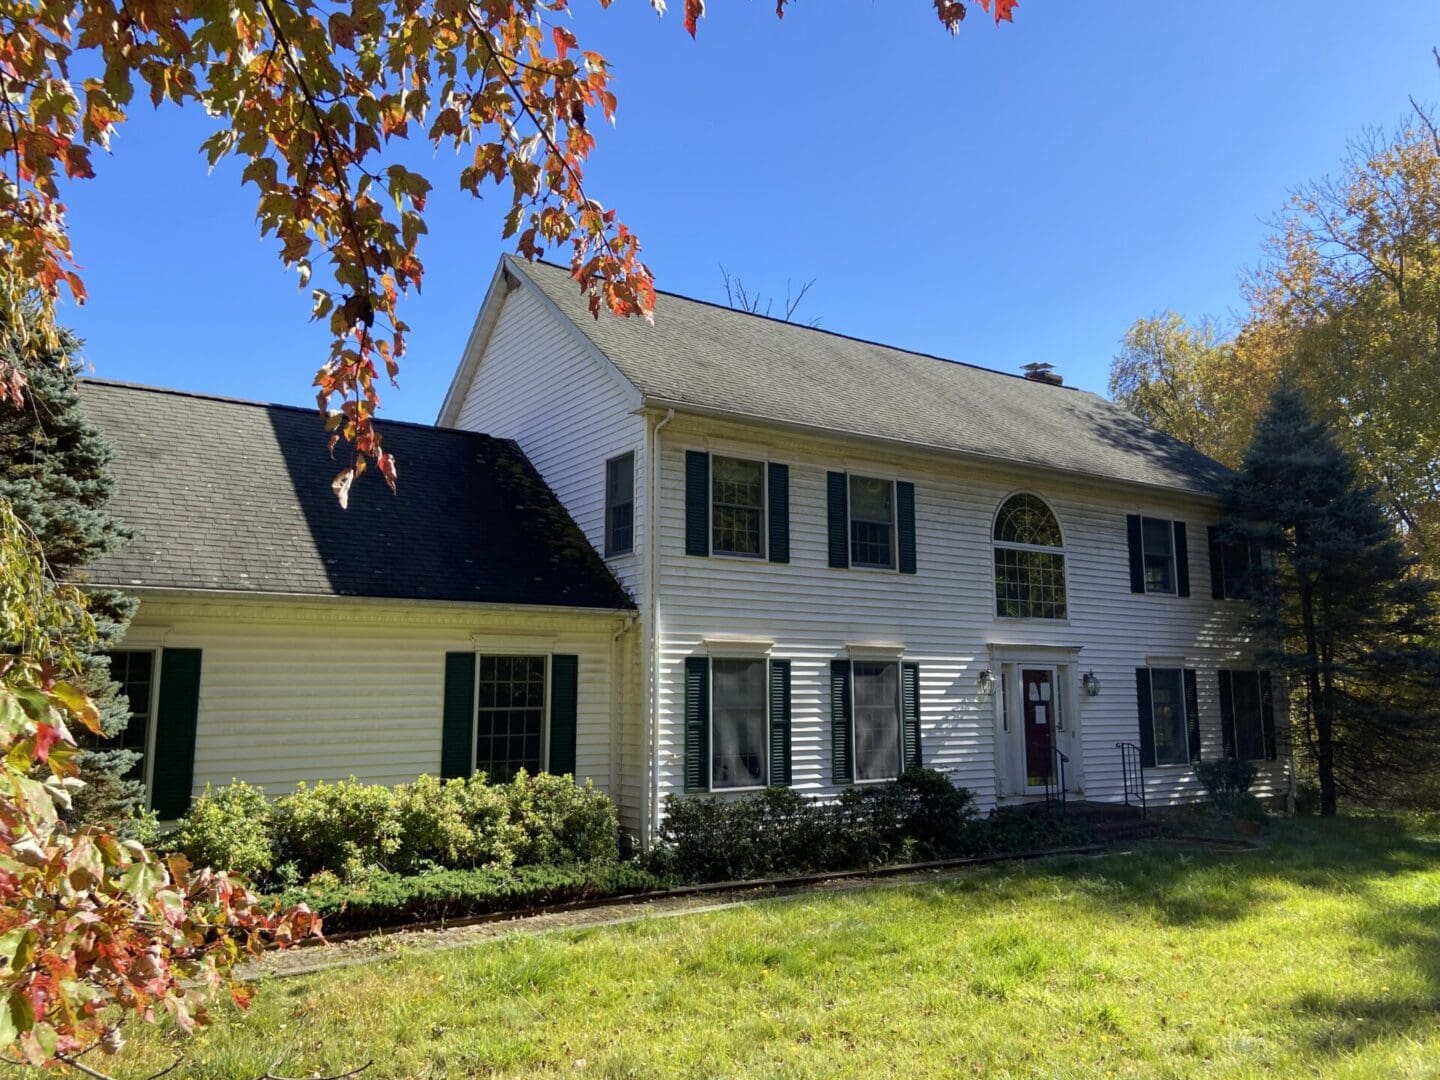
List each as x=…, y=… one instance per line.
x=322, y=128
x=519, y=97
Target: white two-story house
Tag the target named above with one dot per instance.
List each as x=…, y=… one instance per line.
x=812, y=561
x=848, y=558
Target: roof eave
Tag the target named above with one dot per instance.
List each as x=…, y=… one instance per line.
x=170, y=592
x=685, y=407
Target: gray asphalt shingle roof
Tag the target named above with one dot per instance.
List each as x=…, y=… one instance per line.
x=712, y=357
x=232, y=495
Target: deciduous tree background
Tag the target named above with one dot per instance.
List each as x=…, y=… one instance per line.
x=1346, y=305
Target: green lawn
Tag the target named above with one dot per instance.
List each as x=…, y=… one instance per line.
x=1318, y=956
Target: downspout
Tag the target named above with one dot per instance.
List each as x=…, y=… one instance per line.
x=652, y=628
x=618, y=684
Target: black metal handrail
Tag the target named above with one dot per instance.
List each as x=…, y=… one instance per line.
x=1132, y=774
x=1055, y=781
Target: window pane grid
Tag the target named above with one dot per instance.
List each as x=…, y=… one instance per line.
x=876, y=689
x=738, y=715
x=737, y=511
x=1167, y=708
x=1029, y=584
x=872, y=520
x=134, y=671
x=510, y=715
x=1159, y=555
x=1025, y=519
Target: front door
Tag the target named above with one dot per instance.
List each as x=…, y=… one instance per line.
x=1039, y=704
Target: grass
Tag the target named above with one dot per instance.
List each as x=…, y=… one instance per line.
x=1318, y=956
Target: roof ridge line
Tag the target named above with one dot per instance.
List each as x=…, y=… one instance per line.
x=832, y=333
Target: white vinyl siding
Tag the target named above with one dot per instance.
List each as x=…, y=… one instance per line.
x=943, y=617
x=322, y=690
x=538, y=384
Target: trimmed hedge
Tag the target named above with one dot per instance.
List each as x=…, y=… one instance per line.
x=349, y=829
x=922, y=816
x=384, y=899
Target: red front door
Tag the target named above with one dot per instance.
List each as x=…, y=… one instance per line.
x=1037, y=693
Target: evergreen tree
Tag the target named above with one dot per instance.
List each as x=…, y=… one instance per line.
x=54, y=471
x=1349, y=619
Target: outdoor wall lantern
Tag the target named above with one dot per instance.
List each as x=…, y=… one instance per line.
x=1091, y=682
x=986, y=680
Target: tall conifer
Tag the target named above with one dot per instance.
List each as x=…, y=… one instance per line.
x=1341, y=609
x=54, y=469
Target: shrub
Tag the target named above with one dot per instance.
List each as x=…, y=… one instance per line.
x=453, y=823
x=229, y=829
x=342, y=827
x=732, y=839
x=385, y=899
x=1227, y=783
x=779, y=831
x=558, y=821
x=1013, y=829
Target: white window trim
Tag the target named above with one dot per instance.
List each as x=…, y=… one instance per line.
x=710, y=722
x=893, y=567
x=496, y=650
x=1063, y=551
x=737, y=647
x=147, y=770
x=899, y=721
x=1184, y=714
x=764, y=554
x=1174, y=557
x=615, y=553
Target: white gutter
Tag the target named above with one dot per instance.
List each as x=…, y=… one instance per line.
x=170, y=592
x=650, y=792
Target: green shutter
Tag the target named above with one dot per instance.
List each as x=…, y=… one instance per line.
x=1227, y=713
x=1182, y=560
x=1217, y=564
x=697, y=503
x=837, y=507
x=697, y=723
x=1192, y=713
x=841, y=761
x=780, y=723
x=905, y=524
x=777, y=497
x=457, y=731
x=1267, y=710
x=564, y=697
x=1147, y=717
x=1137, y=553
x=177, y=711
x=910, y=715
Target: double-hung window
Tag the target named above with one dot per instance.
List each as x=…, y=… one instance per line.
x=1157, y=538
x=510, y=711
x=872, y=522
x=877, y=719
x=620, y=505
x=1247, y=716
x=134, y=670
x=1167, y=714
x=737, y=508
x=1236, y=566
x=739, y=723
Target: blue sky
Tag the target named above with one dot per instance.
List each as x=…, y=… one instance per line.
x=1014, y=194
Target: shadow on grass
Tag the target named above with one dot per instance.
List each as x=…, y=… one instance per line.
x=1203, y=889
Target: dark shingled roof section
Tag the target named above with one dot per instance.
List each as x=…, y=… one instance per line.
x=712, y=357
x=234, y=495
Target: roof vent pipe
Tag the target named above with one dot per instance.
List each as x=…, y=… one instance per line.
x=1045, y=373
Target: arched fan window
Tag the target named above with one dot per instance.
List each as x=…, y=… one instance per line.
x=1029, y=560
